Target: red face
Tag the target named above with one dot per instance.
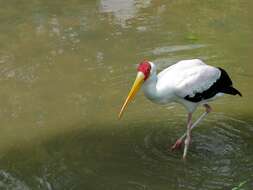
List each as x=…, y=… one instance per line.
x=145, y=68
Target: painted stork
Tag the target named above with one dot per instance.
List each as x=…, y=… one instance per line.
x=188, y=82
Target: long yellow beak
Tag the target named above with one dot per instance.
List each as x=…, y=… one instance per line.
x=136, y=86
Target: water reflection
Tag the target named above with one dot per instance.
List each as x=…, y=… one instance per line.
x=123, y=10
x=10, y=182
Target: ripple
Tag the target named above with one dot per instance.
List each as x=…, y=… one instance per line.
x=8, y=181
x=176, y=48
x=219, y=150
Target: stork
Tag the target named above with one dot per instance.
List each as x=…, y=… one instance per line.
x=188, y=82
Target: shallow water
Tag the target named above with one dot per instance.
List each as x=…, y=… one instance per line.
x=65, y=69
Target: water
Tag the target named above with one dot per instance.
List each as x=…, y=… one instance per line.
x=65, y=69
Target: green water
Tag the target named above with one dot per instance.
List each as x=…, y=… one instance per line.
x=65, y=69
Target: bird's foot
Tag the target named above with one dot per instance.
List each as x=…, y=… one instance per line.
x=177, y=145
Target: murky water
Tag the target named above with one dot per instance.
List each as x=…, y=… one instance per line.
x=66, y=67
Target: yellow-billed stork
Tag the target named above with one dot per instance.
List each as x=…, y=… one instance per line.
x=188, y=82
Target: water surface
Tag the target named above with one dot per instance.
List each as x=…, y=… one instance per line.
x=65, y=69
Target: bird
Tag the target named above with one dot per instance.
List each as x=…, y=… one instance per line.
x=191, y=83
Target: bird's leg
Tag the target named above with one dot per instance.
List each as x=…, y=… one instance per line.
x=179, y=141
x=188, y=135
x=208, y=110
x=190, y=127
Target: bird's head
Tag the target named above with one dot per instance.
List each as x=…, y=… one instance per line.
x=144, y=68
x=143, y=72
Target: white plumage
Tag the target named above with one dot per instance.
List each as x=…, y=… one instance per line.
x=186, y=77
x=196, y=80
x=188, y=82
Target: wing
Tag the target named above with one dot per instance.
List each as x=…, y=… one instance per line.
x=198, y=83
x=181, y=65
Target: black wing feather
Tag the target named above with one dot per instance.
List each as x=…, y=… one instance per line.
x=223, y=85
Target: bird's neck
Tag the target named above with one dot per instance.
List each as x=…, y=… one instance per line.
x=149, y=88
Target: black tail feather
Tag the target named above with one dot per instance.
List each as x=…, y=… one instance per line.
x=231, y=90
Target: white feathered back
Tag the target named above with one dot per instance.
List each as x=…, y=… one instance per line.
x=188, y=77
